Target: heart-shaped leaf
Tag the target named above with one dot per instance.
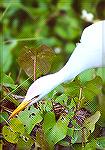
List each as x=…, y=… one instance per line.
x=41, y=57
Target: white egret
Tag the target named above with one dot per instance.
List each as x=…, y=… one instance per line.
x=89, y=53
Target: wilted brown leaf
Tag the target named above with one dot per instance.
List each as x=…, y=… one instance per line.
x=43, y=57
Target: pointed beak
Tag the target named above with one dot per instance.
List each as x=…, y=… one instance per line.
x=19, y=108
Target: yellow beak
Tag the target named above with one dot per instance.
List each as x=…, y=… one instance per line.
x=19, y=108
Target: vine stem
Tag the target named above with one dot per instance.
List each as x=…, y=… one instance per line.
x=35, y=68
x=83, y=137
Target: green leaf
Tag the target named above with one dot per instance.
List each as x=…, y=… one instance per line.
x=101, y=72
x=1, y=146
x=41, y=140
x=62, y=99
x=101, y=142
x=60, y=31
x=69, y=47
x=74, y=137
x=58, y=131
x=89, y=95
x=3, y=116
x=70, y=132
x=49, y=106
x=86, y=75
x=52, y=94
x=72, y=104
x=63, y=5
x=6, y=53
x=49, y=121
x=17, y=126
x=92, y=88
x=25, y=142
x=88, y=6
x=7, y=81
x=72, y=88
x=10, y=135
x=91, y=145
x=90, y=122
x=30, y=117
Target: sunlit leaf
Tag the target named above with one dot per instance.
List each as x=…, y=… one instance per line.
x=58, y=131
x=30, y=117
x=101, y=72
x=90, y=122
x=47, y=124
x=17, y=126
x=86, y=75
x=10, y=135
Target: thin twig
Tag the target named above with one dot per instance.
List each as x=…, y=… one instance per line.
x=23, y=39
x=5, y=120
x=80, y=98
x=16, y=88
x=5, y=11
x=6, y=109
x=17, y=80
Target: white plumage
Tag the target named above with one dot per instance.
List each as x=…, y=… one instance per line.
x=89, y=53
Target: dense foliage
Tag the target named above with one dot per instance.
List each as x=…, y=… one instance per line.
x=37, y=38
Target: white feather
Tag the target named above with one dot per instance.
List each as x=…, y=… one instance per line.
x=89, y=53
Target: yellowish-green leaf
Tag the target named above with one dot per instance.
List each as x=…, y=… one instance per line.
x=25, y=142
x=90, y=122
x=10, y=135
x=17, y=126
x=30, y=117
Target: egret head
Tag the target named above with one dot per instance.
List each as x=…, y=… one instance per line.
x=36, y=91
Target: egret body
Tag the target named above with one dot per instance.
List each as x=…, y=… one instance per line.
x=89, y=53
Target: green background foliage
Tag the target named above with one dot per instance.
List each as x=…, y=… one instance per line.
x=58, y=24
